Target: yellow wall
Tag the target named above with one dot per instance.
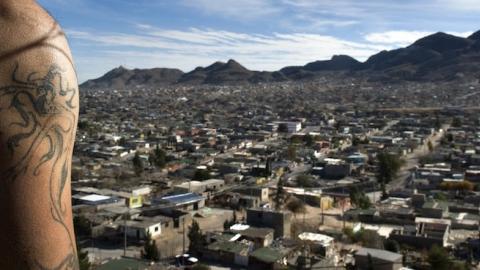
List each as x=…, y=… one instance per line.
x=135, y=202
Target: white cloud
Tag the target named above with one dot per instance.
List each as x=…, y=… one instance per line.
x=459, y=5
x=244, y=10
x=186, y=49
x=403, y=38
x=193, y=47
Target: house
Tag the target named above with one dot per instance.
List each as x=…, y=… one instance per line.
x=434, y=209
x=200, y=187
x=267, y=258
x=312, y=197
x=260, y=192
x=381, y=259
x=289, y=127
x=140, y=228
x=320, y=243
x=336, y=168
x=186, y=201
x=97, y=201
x=280, y=221
x=424, y=234
x=228, y=252
x=260, y=237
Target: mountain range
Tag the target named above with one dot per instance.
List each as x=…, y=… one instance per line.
x=437, y=57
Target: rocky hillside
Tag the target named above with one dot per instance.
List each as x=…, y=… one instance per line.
x=439, y=56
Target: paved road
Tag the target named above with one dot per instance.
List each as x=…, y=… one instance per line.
x=295, y=171
x=101, y=254
x=412, y=160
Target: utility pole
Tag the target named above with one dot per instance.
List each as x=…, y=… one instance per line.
x=93, y=244
x=321, y=208
x=304, y=205
x=183, y=233
x=125, y=235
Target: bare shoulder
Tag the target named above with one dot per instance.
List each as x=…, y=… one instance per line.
x=25, y=25
x=38, y=90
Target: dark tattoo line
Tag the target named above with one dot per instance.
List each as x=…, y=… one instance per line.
x=39, y=104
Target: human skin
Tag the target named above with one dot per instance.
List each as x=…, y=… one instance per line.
x=38, y=118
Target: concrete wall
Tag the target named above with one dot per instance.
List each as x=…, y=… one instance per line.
x=279, y=221
x=418, y=242
x=362, y=263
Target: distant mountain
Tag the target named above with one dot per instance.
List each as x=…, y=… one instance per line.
x=475, y=36
x=439, y=56
x=122, y=78
x=337, y=63
x=218, y=73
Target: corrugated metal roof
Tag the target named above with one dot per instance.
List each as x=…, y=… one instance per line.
x=182, y=198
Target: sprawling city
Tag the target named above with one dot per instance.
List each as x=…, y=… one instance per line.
x=279, y=175
x=330, y=164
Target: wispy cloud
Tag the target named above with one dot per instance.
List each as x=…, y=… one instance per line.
x=244, y=10
x=404, y=38
x=462, y=5
x=187, y=48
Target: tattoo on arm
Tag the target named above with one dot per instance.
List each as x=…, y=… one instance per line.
x=44, y=120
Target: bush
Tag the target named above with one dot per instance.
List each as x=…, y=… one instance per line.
x=457, y=186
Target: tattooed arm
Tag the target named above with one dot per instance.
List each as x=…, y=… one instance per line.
x=38, y=116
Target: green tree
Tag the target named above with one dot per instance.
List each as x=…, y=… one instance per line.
x=305, y=181
x=122, y=141
x=83, y=125
x=82, y=225
x=370, y=239
x=309, y=140
x=430, y=146
x=158, y=158
x=201, y=267
x=150, y=249
x=268, y=167
x=388, y=167
x=137, y=164
x=283, y=128
x=292, y=153
x=279, y=195
x=359, y=198
x=229, y=223
x=201, y=175
x=370, y=265
x=457, y=122
x=439, y=258
x=83, y=261
x=197, y=239
x=296, y=206
x=391, y=245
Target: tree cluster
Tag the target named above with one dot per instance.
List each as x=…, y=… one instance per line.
x=197, y=239
x=296, y=206
x=138, y=166
x=158, y=158
x=279, y=195
x=305, y=181
x=359, y=199
x=201, y=175
x=457, y=186
x=388, y=167
x=150, y=250
x=439, y=259
x=229, y=223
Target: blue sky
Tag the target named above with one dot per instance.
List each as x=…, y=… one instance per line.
x=260, y=34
